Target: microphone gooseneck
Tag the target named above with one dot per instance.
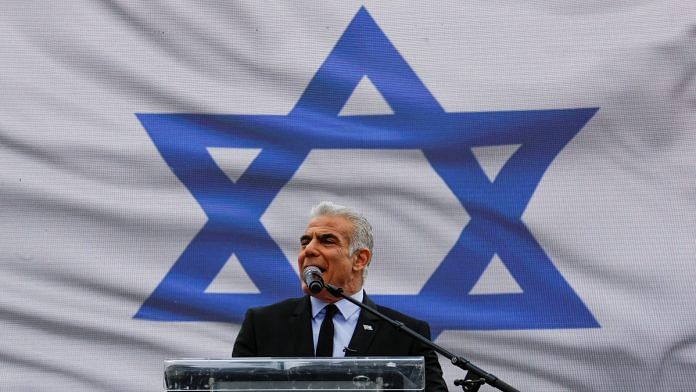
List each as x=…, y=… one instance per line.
x=312, y=278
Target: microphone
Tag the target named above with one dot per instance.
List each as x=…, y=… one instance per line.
x=312, y=278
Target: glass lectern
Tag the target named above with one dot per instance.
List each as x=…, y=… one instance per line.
x=295, y=374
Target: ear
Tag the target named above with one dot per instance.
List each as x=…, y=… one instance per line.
x=362, y=259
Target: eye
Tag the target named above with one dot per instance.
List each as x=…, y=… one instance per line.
x=328, y=239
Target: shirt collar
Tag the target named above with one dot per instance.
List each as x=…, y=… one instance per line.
x=345, y=307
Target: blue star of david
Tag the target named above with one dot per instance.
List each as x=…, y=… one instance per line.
x=495, y=207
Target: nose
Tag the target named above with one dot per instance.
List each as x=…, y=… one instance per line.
x=310, y=249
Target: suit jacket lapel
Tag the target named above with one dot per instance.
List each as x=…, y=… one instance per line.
x=301, y=339
x=365, y=331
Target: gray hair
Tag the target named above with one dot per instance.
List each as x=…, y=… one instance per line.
x=362, y=236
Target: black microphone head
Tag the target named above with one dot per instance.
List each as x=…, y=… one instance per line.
x=312, y=278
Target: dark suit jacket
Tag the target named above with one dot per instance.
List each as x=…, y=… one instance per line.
x=284, y=329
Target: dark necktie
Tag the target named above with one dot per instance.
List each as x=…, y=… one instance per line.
x=326, y=333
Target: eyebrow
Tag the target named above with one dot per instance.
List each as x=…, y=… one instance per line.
x=320, y=236
x=327, y=235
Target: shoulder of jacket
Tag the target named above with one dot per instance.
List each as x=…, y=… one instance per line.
x=284, y=306
x=395, y=314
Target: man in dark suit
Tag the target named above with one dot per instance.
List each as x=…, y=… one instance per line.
x=338, y=240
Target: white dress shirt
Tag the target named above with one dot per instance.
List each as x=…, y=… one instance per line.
x=344, y=321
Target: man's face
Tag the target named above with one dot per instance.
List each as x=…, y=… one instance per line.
x=325, y=244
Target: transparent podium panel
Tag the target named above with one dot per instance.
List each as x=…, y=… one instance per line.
x=295, y=374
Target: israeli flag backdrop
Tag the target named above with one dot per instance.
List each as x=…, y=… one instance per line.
x=529, y=169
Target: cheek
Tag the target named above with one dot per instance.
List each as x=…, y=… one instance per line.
x=344, y=266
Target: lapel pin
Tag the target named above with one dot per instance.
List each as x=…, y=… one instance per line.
x=367, y=327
